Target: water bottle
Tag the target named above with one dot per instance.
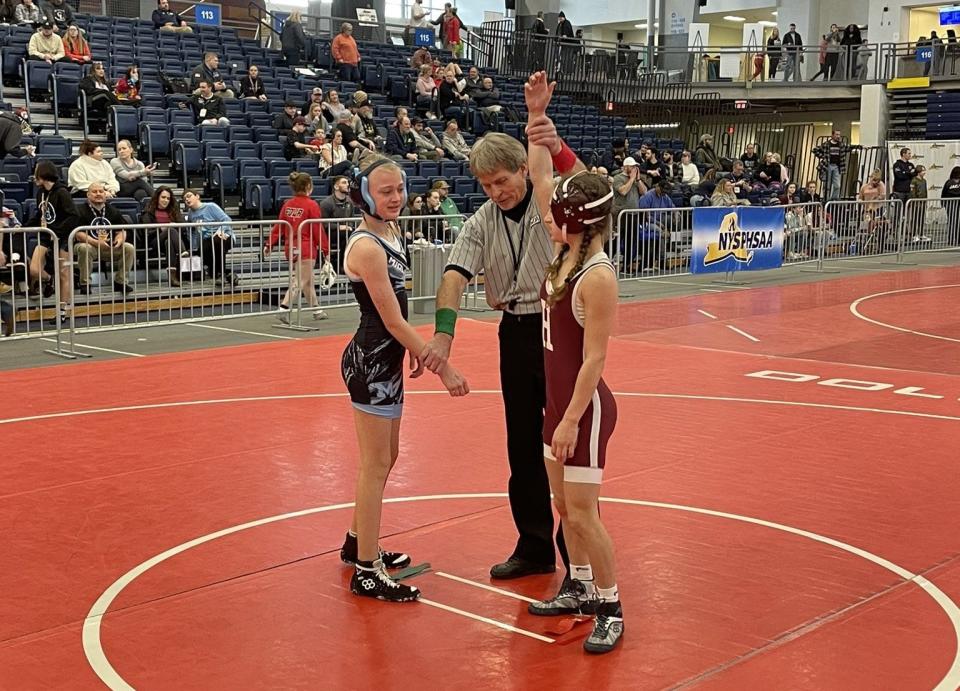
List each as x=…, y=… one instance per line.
x=852, y=249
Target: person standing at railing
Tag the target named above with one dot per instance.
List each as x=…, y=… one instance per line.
x=217, y=240
x=345, y=54
x=441, y=21
x=832, y=163
x=849, y=42
x=568, y=44
x=918, y=190
x=302, y=246
x=774, y=51
x=56, y=212
x=539, y=42
x=417, y=20
x=453, y=33
x=950, y=199
x=833, y=52
x=822, y=59
x=793, y=49
x=903, y=174
x=293, y=41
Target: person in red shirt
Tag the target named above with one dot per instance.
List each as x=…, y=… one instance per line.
x=307, y=241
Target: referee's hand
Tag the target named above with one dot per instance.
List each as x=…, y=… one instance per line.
x=436, y=353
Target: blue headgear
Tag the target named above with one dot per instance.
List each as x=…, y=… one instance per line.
x=360, y=188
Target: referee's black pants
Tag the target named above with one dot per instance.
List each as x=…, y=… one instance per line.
x=523, y=384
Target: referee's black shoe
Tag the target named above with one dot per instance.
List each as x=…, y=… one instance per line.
x=391, y=560
x=515, y=567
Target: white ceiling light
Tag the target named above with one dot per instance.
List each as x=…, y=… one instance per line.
x=774, y=13
x=766, y=23
x=640, y=26
x=734, y=18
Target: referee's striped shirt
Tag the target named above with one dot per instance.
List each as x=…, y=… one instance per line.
x=483, y=244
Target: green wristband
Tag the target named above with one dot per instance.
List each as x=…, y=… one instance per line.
x=445, y=320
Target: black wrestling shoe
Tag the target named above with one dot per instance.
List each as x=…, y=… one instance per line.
x=375, y=582
x=391, y=560
x=515, y=567
x=572, y=598
x=607, y=629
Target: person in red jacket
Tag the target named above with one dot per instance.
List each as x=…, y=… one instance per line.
x=306, y=243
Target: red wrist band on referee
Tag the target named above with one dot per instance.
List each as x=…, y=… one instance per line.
x=564, y=161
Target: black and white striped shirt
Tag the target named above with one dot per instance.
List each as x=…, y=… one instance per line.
x=513, y=255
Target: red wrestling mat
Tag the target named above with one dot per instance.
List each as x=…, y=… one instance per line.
x=780, y=520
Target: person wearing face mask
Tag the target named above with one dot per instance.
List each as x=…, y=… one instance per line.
x=128, y=86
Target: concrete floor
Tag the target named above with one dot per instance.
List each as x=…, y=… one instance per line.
x=17, y=353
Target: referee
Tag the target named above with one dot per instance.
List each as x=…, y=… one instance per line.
x=506, y=240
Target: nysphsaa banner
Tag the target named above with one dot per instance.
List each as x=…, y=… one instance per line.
x=737, y=239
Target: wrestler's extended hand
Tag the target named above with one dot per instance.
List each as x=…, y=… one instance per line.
x=436, y=353
x=454, y=381
x=564, y=440
x=416, y=365
x=537, y=93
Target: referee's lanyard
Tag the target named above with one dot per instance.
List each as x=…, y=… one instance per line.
x=516, y=253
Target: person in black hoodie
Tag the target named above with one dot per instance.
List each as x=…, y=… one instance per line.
x=293, y=41
x=283, y=122
x=55, y=212
x=59, y=13
x=950, y=196
x=11, y=132
x=903, y=174
x=208, y=107
x=101, y=243
x=251, y=86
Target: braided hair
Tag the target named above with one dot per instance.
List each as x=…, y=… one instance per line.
x=586, y=187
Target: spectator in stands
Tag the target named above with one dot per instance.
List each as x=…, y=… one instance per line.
x=251, y=86
x=365, y=127
x=334, y=159
x=833, y=51
x=750, y=158
x=208, y=107
x=741, y=179
x=8, y=11
x=11, y=134
x=851, y=40
x=351, y=142
x=28, y=13
x=451, y=100
x=627, y=187
x=103, y=245
x=950, y=196
x=100, y=96
x=671, y=168
x=809, y=193
x=917, y=213
x=689, y=173
x=56, y=212
x=613, y=157
x=45, y=46
x=793, y=50
x=704, y=155
x=487, y=98
x=903, y=174
x=89, y=168
x=75, y=46
x=332, y=107
x=724, y=195
x=316, y=96
x=473, y=82
x=316, y=123
x=302, y=245
x=426, y=89
x=421, y=56
x=338, y=206
x=165, y=19
x=428, y=146
x=346, y=55
x=417, y=20
x=790, y=195
x=653, y=234
x=448, y=206
x=209, y=71
x=454, y=143
x=293, y=42
x=435, y=226
x=412, y=226
x=797, y=231
x=128, y=86
x=283, y=122
x=401, y=144
x=651, y=169
x=442, y=22
x=863, y=53
x=770, y=173
x=399, y=112
x=832, y=163
x=58, y=12
x=134, y=177
x=296, y=144
x=217, y=239
x=163, y=211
